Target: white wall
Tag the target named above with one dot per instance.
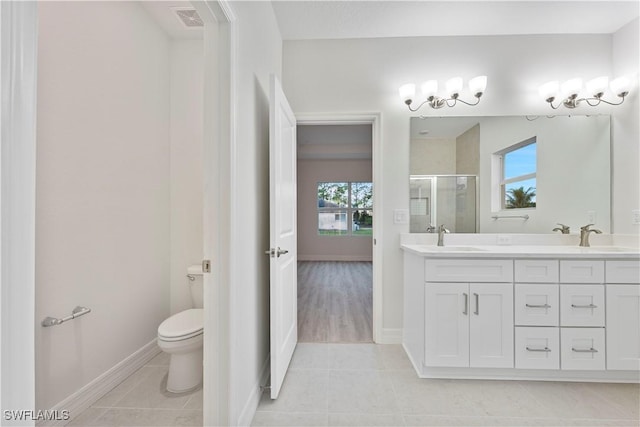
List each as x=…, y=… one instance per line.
x=364, y=75
x=186, y=166
x=102, y=217
x=311, y=246
x=259, y=54
x=626, y=132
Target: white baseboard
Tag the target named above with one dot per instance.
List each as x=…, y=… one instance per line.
x=361, y=258
x=249, y=408
x=96, y=389
x=390, y=336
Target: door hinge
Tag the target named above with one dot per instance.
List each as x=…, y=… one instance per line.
x=206, y=266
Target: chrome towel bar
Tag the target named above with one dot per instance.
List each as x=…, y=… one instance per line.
x=77, y=312
x=525, y=217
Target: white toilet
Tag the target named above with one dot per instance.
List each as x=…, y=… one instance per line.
x=181, y=336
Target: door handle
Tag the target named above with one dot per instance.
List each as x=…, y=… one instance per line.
x=466, y=304
x=584, y=306
x=544, y=350
x=275, y=253
x=584, y=350
x=477, y=297
x=537, y=305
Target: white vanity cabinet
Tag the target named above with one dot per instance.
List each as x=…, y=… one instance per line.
x=522, y=317
x=623, y=315
x=468, y=324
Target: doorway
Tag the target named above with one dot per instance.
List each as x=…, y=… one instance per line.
x=335, y=232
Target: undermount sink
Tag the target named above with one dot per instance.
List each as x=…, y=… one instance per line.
x=451, y=248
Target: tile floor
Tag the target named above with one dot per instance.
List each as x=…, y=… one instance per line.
x=141, y=401
x=375, y=385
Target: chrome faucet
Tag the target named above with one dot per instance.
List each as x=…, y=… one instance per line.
x=563, y=230
x=584, y=235
x=441, y=232
x=431, y=229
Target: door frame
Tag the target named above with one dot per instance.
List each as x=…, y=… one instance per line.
x=219, y=139
x=375, y=120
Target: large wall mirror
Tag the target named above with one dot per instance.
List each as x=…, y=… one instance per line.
x=510, y=174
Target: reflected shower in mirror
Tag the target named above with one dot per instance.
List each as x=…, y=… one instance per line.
x=566, y=178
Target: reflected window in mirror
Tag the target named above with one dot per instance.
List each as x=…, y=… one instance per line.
x=518, y=166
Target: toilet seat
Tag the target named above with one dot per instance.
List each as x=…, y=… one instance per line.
x=182, y=326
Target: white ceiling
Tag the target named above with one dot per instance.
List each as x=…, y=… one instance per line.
x=328, y=19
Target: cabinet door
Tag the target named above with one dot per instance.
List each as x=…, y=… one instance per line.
x=491, y=325
x=447, y=324
x=623, y=327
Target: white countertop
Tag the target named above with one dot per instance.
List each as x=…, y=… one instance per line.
x=522, y=251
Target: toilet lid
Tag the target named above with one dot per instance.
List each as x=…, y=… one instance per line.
x=183, y=324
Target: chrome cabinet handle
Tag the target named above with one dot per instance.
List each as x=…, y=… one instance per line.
x=584, y=306
x=466, y=304
x=477, y=297
x=544, y=350
x=538, y=306
x=584, y=350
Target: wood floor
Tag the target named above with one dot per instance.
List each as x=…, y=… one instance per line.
x=335, y=301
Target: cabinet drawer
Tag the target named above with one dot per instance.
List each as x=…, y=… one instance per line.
x=581, y=271
x=537, y=271
x=623, y=271
x=582, y=305
x=537, y=348
x=449, y=270
x=537, y=305
x=582, y=349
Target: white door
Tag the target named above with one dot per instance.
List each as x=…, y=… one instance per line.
x=447, y=324
x=491, y=325
x=282, y=234
x=623, y=327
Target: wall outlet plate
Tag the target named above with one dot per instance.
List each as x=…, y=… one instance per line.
x=401, y=216
x=635, y=217
x=503, y=239
x=592, y=217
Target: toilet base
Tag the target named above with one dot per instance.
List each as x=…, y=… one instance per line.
x=185, y=372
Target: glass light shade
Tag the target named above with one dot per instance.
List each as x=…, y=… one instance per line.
x=454, y=85
x=571, y=87
x=549, y=90
x=478, y=84
x=430, y=88
x=597, y=86
x=620, y=85
x=407, y=92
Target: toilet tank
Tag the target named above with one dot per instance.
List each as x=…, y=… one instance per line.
x=196, y=285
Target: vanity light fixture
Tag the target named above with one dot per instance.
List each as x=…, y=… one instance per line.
x=570, y=91
x=453, y=86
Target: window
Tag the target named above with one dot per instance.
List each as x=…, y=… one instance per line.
x=518, y=175
x=345, y=208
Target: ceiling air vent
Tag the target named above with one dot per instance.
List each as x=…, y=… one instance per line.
x=189, y=17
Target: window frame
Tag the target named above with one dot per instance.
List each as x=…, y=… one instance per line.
x=502, y=182
x=349, y=210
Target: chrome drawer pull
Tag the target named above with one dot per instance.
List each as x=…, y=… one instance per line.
x=537, y=306
x=544, y=350
x=466, y=304
x=584, y=306
x=584, y=350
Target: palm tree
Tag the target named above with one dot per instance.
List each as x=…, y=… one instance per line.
x=520, y=198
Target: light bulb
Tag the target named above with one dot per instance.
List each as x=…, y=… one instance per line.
x=549, y=90
x=571, y=88
x=597, y=86
x=620, y=86
x=477, y=85
x=407, y=92
x=454, y=86
x=430, y=88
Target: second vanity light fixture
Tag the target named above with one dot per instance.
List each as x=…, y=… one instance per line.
x=571, y=90
x=453, y=86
